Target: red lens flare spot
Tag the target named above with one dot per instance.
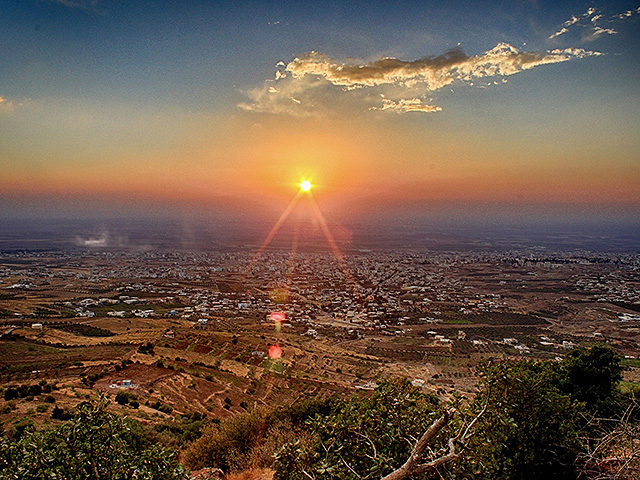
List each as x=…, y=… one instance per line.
x=275, y=352
x=277, y=317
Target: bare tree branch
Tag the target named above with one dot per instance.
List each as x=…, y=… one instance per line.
x=417, y=453
x=366, y=437
x=413, y=466
x=349, y=466
x=616, y=454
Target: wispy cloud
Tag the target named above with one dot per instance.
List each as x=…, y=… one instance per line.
x=562, y=31
x=101, y=241
x=627, y=14
x=587, y=19
x=597, y=31
x=316, y=84
x=593, y=24
x=405, y=105
x=5, y=105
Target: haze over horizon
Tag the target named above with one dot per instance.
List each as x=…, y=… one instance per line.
x=484, y=113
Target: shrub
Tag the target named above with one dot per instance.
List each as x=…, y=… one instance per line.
x=252, y=438
x=122, y=397
x=146, y=349
x=530, y=429
x=92, y=444
x=592, y=376
x=59, y=414
x=363, y=437
x=10, y=393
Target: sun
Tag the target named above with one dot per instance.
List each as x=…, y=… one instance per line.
x=305, y=186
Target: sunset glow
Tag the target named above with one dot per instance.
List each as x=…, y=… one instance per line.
x=415, y=117
x=323, y=240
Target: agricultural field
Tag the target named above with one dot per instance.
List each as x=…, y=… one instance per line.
x=167, y=336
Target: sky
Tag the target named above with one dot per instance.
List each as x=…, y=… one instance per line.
x=392, y=109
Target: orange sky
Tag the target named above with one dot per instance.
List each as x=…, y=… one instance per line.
x=358, y=161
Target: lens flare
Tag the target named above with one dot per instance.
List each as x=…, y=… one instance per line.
x=305, y=186
x=275, y=352
x=277, y=316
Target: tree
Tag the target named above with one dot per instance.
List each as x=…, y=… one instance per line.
x=92, y=445
x=530, y=429
x=592, y=376
x=122, y=397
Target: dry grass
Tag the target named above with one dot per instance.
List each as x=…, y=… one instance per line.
x=252, y=474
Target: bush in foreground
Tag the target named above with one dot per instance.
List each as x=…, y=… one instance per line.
x=93, y=444
x=251, y=439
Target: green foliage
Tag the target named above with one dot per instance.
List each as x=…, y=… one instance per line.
x=10, y=393
x=529, y=429
x=224, y=446
x=22, y=391
x=123, y=397
x=592, y=376
x=85, y=330
x=20, y=428
x=533, y=426
x=60, y=414
x=361, y=438
x=92, y=444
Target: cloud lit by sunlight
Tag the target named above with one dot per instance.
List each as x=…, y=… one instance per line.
x=314, y=83
x=590, y=24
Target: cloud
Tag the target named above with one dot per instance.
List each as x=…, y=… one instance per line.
x=572, y=21
x=93, y=242
x=406, y=105
x=316, y=84
x=627, y=14
x=562, y=31
x=287, y=96
x=597, y=31
x=5, y=105
x=102, y=241
x=576, y=20
x=432, y=72
x=590, y=24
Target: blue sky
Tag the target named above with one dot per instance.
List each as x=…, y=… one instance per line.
x=182, y=98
